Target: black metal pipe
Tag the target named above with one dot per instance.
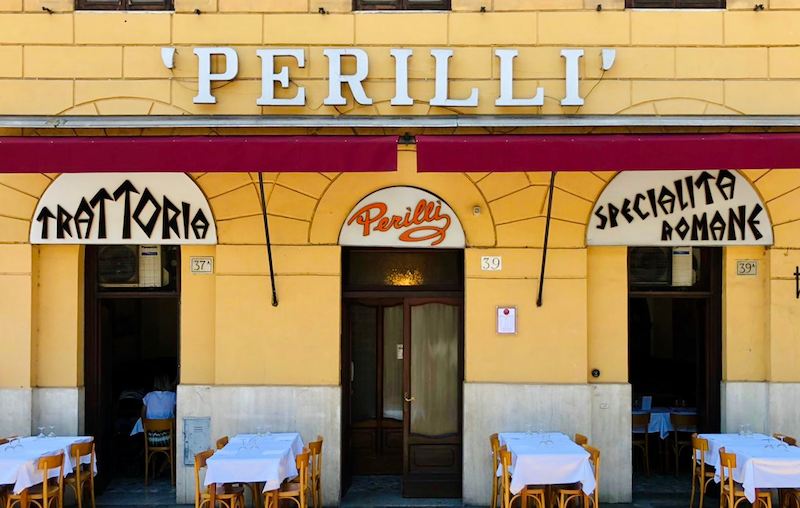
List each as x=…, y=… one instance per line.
x=266, y=233
x=546, y=237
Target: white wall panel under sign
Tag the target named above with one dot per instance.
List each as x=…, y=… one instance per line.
x=123, y=208
x=679, y=208
x=402, y=217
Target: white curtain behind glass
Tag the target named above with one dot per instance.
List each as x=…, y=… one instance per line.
x=434, y=369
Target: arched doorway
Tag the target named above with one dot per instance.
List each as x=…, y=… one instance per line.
x=132, y=226
x=677, y=226
x=402, y=342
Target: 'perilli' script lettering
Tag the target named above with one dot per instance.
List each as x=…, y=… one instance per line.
x=419, y=224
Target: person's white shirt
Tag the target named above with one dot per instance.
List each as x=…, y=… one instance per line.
x=160, y=405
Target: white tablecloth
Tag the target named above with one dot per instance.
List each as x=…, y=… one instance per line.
x=659, y=419
x=19, y=467
x=761, y=463
x=272, y=462
x=535, y=463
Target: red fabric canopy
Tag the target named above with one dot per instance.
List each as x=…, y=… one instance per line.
x=187, y=154
x=603, y=152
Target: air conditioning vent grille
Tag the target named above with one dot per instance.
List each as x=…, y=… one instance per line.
x=650, y=266
x=118, y=264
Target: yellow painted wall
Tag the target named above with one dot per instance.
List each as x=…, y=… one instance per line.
x=197, y=319
x=550, y=344
x=745, y=317
x=668, y=62
x=17, y=282
x=58, y=339
x=608, y=314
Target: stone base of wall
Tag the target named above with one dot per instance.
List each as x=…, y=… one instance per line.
x=766, y=407
x=15, y=417
x=62, y=407
x=601, y=412
x=309, y=410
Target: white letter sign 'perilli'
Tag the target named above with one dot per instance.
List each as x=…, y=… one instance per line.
x=402, y=217
x=123, y=209
x=679, y=208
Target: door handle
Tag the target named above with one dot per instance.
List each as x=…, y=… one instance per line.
x=407, y=399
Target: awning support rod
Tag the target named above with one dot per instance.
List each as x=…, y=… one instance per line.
x=546, y=236
x=266, y=233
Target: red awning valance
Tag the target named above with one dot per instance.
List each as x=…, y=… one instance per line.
x=601, y=152
x=190, y=154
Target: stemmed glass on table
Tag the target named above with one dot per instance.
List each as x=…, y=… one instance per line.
x=41, y=433
x=52, y=431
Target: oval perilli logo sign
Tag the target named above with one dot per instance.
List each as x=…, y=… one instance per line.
x=402, y=217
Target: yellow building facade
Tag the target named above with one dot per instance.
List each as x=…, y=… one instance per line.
x=241, y=360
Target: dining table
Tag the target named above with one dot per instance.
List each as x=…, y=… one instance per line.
x=660, y=422
x=546, y=458
x=762, y=462
x=19, y=459
x=256, y=458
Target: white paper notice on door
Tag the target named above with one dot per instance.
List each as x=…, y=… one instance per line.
x=506, y=320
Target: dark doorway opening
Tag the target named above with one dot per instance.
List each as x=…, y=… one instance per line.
x=132, y=332
x=402, y=368
x=675, y=332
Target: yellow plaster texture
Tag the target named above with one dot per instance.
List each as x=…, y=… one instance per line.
x=17, y=283
x=59, y=332
x=607, y=314
x=745, y=317
x=197, y=318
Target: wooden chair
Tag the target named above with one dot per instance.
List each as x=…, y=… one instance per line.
x=221, y=442
x=681, y=425
x=702, y=474
x=315, y=473
x=538, y=494
x=45, y=493
x=565, y=494
x=227, y=495
x=581, y=440
x=83, y=475
x=291, y=490
x=166, y=425
x=494, y=441
x=789, y=440
x=732, y=493
x=640, y=425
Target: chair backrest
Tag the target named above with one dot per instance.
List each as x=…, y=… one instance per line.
x=80, y=450
x=505, y=464
x=594, y=456
x=727, y=462
x=221, y=442
x=786, y=439
x=165, y=425
x=683, y=423
x=301, y=462
x=581, y=440
x=699, y=449
x=494, y=442
x=315, y=450
x=3, y=440
x=200, y=460
x=47, y=464
x=640, y=422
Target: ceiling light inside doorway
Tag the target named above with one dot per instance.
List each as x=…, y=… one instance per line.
x=404, y=278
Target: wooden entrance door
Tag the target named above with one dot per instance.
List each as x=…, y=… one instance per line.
x=403, y=376
x=432, y=396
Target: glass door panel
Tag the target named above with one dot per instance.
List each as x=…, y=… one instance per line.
x=364, y=341
x=434, y=369
x=393, y=362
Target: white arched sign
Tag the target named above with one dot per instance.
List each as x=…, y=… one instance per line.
x=123, y=208
x=679, y=208
x=402, y=217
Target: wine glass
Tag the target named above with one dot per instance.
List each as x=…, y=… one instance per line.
x=267, y=432
x=529, y=429
x=52, y=431
x=782, y=445
x=741, y=430
x=41, y=433
x=253, y=443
